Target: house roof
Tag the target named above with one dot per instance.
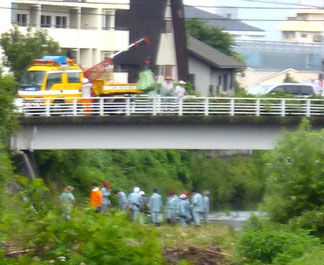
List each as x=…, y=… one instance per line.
x=217, y=20
x=210, y=55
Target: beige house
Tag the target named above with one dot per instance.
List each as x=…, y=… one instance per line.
x=306, y=27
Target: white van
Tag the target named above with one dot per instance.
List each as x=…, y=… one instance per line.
x=297, y=89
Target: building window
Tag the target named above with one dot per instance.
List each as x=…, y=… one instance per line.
x=46, y=21
x=317, y=37
x=61, y=22
x=288, y=34
x=22, y=20
x=304, y=35
x=109, y=20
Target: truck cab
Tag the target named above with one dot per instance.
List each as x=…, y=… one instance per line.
x=52, y=77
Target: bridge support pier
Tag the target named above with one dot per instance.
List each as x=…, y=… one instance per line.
x=27, y=164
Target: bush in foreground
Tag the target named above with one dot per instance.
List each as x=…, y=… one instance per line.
x=260, y=244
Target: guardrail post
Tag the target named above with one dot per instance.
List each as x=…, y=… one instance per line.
x=308, y=109
x=101, y=106
x=154, y=99
x=128, y=106
x=158, y=104
x=47, y=107
x=232, y=112
x=258, y=111
x=75, y=107
x=283, y=108
x=206, y=106
x=180, y=103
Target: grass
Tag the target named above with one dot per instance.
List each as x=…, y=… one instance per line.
x=201, y=237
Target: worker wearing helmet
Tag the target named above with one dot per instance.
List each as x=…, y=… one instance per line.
x=134, y=201
x=105, y=196
x=155, y=205
x=180, y=90
x=184, y=210
x=144, y=202
x=96, y=197
x=86, y=96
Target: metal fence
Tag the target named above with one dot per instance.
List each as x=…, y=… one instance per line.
x=142, y=105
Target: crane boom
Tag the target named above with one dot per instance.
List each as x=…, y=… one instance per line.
x=99, y=69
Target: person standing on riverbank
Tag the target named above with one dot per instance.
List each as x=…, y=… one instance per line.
x=122, y=200
x=67, y=199
x=206, y=206
x=197, y=202
x=155, y=205
x=134, y=201
x=106, y=191
x=184, y=210
x=96, y=197
x=172, y=206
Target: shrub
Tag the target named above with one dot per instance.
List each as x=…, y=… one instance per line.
x=274, y=246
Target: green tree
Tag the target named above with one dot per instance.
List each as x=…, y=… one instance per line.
x=8, y=92
x=213, y=36
x=295, y=174
x=20, y=50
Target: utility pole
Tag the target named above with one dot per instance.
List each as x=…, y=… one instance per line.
x=180, y=38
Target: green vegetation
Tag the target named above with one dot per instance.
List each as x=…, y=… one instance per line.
x=295, y=175
x=232, y=183
x=266, y=243
x=20, y=50
x=213, y=36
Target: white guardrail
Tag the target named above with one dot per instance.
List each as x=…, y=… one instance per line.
x=143, y=105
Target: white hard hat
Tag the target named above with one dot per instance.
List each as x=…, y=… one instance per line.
x=181, y=82
x=183, y=196
x=142, y=192
x=85, y=80
x=137, y=189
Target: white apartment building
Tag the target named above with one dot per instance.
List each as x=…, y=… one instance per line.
x=306, y=27
x=85, y=28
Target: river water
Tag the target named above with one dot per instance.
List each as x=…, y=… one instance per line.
x=234, y=219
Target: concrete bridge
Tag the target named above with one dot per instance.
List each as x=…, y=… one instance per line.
x=151, y=123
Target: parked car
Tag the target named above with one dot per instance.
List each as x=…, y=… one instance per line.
x=297, y=89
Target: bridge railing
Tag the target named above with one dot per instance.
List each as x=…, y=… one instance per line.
x=144, y=105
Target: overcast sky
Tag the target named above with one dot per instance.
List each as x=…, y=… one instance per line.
x=264, y=14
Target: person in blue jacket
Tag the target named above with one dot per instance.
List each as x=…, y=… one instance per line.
x=123, y=203
x=197, y=202
x=184, y=210
x=206, y=206
x=134, y=202
x=171, y=208
x=106, y=191
x=155, y=205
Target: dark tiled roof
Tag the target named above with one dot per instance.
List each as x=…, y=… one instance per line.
x=219, y=21
x=210, y=55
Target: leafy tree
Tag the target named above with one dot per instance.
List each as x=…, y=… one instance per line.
x=8, y=92
x=213, y=36
x=295, y=174
x=20, y=50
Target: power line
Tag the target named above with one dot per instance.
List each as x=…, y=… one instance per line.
x=280, y=3
x=167, y=18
